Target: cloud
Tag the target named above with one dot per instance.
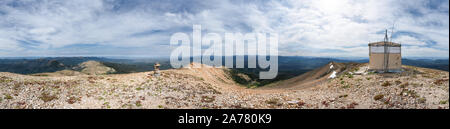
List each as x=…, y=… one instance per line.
x=141, y=27
x=408, y=40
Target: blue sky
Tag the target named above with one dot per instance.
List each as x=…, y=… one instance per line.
x=327, y=28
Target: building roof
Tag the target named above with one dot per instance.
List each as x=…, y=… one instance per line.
x=382, y=43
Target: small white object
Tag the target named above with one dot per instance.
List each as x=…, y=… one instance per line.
x=293, y=102
x=333, y=75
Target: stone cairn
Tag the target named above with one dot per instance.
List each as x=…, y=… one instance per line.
x=156, y=72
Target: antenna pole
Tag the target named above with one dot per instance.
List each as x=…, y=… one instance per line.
x=392, y=31
x=386, y=53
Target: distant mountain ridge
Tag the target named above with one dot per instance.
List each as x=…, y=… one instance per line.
x=289, y=66
x=31, y=66
x=54, y=64
x=94, y=68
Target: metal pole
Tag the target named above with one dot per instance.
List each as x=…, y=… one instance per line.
x=386, y=53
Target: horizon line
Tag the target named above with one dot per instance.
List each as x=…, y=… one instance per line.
x=125, y=57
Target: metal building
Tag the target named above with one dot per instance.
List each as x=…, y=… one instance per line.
x=385, y=56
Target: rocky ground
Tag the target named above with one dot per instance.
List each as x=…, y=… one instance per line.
x=416, y=88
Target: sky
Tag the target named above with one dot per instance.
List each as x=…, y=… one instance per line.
x=321, y=28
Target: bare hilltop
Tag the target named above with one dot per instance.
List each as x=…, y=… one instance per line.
x=333, y=86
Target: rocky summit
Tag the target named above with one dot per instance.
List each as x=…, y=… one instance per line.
x=333, y=86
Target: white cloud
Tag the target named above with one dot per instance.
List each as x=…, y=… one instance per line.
x=42, y=31
x=408, y=40
x=416, y=51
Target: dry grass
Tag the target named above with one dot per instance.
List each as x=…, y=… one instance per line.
x=378, y=97
x=46, y=97
x=386, y=84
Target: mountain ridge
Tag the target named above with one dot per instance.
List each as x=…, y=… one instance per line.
x=214, y=88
